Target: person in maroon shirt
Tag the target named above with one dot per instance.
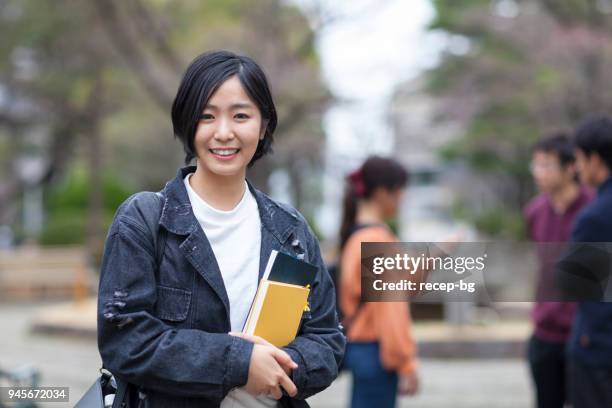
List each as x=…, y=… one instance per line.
x=549, y=217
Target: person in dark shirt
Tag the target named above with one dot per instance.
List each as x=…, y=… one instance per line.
x=590, y=345
x=549, y=217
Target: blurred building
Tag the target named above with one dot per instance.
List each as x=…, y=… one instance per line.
x=419, y=136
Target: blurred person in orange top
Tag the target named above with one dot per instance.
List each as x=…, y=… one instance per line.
x=381, y=352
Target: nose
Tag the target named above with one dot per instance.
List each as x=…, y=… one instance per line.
x=224, y=131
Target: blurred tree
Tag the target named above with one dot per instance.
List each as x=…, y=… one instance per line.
x=52, y=75
x=92, y=83
x=66, y=206
x=514, y=70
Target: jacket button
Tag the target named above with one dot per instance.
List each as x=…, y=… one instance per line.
x=585, y=341
x=295, y=242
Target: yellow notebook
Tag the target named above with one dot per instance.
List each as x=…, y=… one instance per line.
x=276, y=312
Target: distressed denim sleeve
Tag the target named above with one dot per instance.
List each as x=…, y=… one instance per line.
x=138, y=347
x=319, y=346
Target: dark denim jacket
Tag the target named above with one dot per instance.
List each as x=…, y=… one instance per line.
x=165, y=329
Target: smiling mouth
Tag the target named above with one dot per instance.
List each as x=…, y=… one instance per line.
x=224, y=152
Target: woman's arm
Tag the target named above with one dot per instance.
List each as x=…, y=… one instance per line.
x=397, y=346
x=138, y=347
x=319, y=346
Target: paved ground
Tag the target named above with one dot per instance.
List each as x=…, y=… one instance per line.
x=66, y=361
x=456, y=384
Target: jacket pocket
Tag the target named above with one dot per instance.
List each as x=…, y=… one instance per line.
x=172, y=303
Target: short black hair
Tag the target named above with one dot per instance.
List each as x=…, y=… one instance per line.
x=558, y=143
x=594, y=135
x=202, y=78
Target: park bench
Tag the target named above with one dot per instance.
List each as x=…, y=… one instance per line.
x=44, y=273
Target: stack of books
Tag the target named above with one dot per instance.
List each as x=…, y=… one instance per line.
x=281, y=298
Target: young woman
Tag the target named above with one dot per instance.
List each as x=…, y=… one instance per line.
x=182, y=266
x=381, y=353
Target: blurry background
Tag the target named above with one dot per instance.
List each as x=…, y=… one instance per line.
x=457, y=90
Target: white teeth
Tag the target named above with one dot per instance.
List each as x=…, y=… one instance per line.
x=224, y=152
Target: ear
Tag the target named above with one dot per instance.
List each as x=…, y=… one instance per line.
x=594, y=161
x=264, y=127
x=378, y=193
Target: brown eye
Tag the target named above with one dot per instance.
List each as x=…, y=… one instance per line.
x=241, y=116
x=206, y=116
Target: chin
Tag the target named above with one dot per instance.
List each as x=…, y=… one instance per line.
x=226, y=172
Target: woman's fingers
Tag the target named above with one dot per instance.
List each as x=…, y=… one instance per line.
x=275, y=392
x=281, y=356
x=284, y=359
x=408, y=384
x=288, y=385
x=269, y=369
x=251, y=338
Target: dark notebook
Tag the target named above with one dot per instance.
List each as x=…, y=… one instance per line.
x=288, y=269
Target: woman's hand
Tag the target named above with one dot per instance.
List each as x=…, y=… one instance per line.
x=408, y=384
x=266, y=375
x=269, y=368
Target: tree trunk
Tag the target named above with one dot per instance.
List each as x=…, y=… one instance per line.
x=95, y=242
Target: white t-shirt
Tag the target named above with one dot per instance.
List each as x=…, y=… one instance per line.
x=235, y=238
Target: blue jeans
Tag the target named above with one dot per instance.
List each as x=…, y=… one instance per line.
x=373, y=386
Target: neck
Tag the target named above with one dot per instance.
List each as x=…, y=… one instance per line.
x=563, y=197
x=220, y=192
x=369, y=213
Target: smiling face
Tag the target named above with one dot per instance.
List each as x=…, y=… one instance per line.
x=548, y=173
x=228, y=132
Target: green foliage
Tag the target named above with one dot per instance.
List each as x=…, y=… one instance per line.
x=394, y=225
x=441, y=78
x=451, y=13
x=500, y=50
x=314, y=226
x=66, y=207
x=73, y=193
x=110, y=68
x=495, y=222
x=524, y=76
x=578, y=11
x=547, y=78
x=64, y=228
x=501, y=223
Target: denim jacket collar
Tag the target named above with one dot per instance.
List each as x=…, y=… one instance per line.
x=177, y=214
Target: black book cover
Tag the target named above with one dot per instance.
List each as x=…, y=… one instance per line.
x=288, y=269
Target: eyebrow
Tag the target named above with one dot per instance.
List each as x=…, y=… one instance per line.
x=242, y=105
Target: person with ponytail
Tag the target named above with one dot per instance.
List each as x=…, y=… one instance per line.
x=381, y=353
